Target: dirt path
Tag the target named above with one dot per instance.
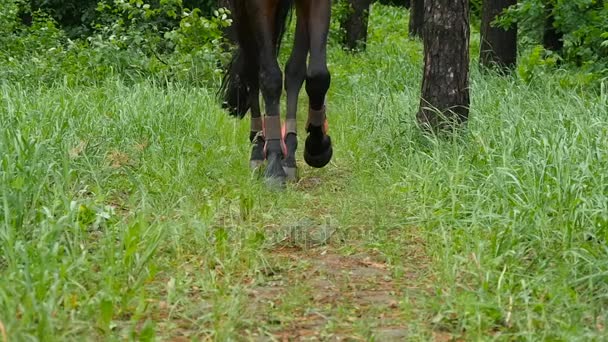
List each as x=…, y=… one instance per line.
x=322, y=293
x=318, y=281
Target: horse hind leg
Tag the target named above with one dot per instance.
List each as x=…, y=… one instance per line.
x=256, y=134
x=318, y=147
x=295, y=74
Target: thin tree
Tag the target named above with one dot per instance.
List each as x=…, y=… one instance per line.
x=498, y=45
x=416, y=18
x=553, y=39
x=223, y=3
x=356, y=24
x=445, y=86
x=404, y=3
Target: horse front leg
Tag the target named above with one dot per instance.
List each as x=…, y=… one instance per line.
x=318, y=148
x=271, y=81
x=295, y=74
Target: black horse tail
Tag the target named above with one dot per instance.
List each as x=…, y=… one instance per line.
x=242, y=73
x=235, y=86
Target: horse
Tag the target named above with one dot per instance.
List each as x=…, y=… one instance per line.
x=259, y=26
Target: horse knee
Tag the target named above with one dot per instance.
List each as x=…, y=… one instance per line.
x=317, y=85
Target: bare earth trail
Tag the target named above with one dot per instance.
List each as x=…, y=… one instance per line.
x=332, y=296
x=320, y=282
x=323, y=283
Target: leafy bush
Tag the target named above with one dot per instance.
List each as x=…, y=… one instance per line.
x=534, y=64
x=9, y=17
x=583, y=23
x=131, y=38
x=73, y=16
x=76, y=17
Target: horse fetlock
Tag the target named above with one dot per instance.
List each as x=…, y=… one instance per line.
x=291, y=145
x=289, y=162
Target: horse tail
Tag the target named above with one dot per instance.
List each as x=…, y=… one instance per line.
x=234, y=88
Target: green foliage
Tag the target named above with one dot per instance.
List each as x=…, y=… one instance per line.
x=73, y=16
x=77, y=17
x=133, y=38
x=196, y=31
x=475, y=8
x=583, y=23
x=340, y=11
x=134, y=24
x=9, y=16
x=535, y=64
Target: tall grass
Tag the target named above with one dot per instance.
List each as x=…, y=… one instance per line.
x=128, y=211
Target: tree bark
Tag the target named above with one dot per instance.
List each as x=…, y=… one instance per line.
x=498, y=46
x=404, y=3
x=416, y=27
x=356, y=24
x=553, y=39
x=223, y=3
x=445, y=86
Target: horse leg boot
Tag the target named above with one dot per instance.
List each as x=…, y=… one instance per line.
x=295, y=74
x=318, y=148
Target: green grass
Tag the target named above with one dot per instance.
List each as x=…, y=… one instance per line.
x=128, y=210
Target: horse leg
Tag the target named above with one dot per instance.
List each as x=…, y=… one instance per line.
x=295, y=73
x=318, y=150
x=256, y=134
x=271, y=80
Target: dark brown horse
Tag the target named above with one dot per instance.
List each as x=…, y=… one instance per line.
x=259, y=27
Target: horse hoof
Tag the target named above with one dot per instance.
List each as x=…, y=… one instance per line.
x=274, y=175
x=275, y=180
x=318, y=155
x=275, y=183
x=292, y=173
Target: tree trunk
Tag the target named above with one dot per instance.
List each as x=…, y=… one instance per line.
x=404, y=3
x=356, y=24
x=552, y=39
x=498, y=46
x=416, y=18
x=224, y=3
x=445, y=86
